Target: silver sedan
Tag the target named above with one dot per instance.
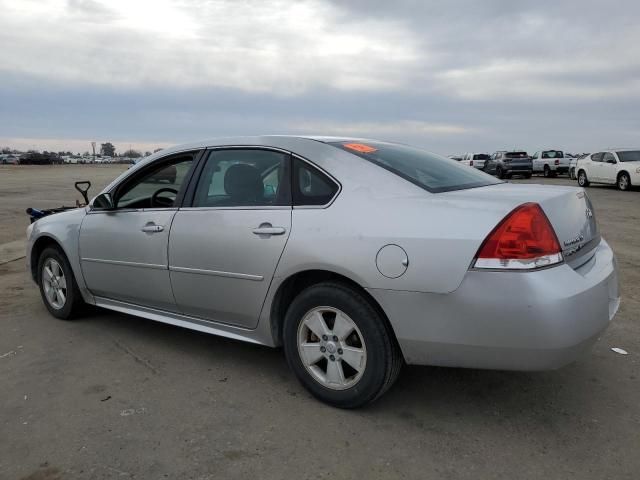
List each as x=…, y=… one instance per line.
x=354, y=255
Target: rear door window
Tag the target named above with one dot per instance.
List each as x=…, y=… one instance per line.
x=243, y=178
x=426, y=170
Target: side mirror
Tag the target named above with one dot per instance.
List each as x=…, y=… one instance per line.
x=104, y=201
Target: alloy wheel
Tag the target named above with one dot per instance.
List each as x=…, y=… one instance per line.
x=332, y=348
x=623, y=182
x=54, y=283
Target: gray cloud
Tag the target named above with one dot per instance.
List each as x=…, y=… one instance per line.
x=450, y=76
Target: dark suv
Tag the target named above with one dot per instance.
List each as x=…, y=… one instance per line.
x=506, y=164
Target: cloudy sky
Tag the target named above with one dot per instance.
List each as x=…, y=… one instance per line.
x=452, y=76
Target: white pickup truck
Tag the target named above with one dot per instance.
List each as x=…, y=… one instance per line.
x=550, y=162
x=475, y=160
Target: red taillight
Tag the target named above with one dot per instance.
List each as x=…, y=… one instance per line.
x=557, y=162
x=524, y=239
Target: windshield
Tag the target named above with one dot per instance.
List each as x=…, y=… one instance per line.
x=481, y=156
x=516, y=155
x=552, y=154
x=629, y=156
x=426, y=170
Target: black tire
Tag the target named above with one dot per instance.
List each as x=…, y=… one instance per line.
x=572, y=173
x=499, y=172
x=73, y=302
x=546, y=171
x=383, y=357
x=583, y=181
x=623, y=182
x=527, y=175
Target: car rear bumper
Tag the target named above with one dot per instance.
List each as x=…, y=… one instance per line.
x=508, y=320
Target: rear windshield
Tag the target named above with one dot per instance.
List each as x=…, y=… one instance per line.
x=426, y=170
x=481, y=156
x=629, y=156
x=552, y=154
x=516, y=155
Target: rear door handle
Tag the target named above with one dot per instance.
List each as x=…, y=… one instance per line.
x=267, y=229
x=152, y=228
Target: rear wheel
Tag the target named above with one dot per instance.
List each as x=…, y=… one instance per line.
x=58, y=286
x=339, y=346
x=624, y=182
x=583, y=181
x=572, y=173
x=499, y=172
x=547, y=171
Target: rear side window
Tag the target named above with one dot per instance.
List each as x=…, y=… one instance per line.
x=243, y=178
x=311, y=186
x=552, y=154
x=426, y=170
x=629, y=156
x=516, y=155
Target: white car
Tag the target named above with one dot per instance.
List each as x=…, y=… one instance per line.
x=615, y=167
x=476, y=160
x=550, y=162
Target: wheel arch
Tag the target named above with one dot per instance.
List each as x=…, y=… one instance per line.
x=299, y=281
x=625, y=172
x=38, y=247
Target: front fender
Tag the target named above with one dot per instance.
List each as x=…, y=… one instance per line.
x=63, y=229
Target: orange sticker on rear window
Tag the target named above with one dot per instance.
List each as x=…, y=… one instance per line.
x=360, y=147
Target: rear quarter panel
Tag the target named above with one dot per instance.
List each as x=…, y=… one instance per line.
x=440, y=233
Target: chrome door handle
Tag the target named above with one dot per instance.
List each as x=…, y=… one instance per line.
x=269, y=230
x=152, y=228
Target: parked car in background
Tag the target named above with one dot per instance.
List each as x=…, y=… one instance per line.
x=550, y=162
x=620, y=167
x=475, y=160
x=319, y=245
x=9, y=159
x=505, y=164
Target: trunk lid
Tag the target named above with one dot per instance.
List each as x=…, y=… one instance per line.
x=568, y=208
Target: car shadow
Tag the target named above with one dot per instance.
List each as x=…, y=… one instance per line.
x=420, y=396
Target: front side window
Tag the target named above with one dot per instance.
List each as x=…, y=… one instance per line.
x=426, y=170
x=609, y=158
x=243, y=178
x=157, y=187
x=629, y=156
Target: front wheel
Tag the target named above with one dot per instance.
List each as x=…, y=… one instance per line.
x=58, y=286
x=624, y=182
x=499, y=172
x=339, y=346
x=582, y=179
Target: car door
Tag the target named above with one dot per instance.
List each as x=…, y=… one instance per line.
x=123, y=251
x=592, y=167
x=608, y=168
x=225, y=245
